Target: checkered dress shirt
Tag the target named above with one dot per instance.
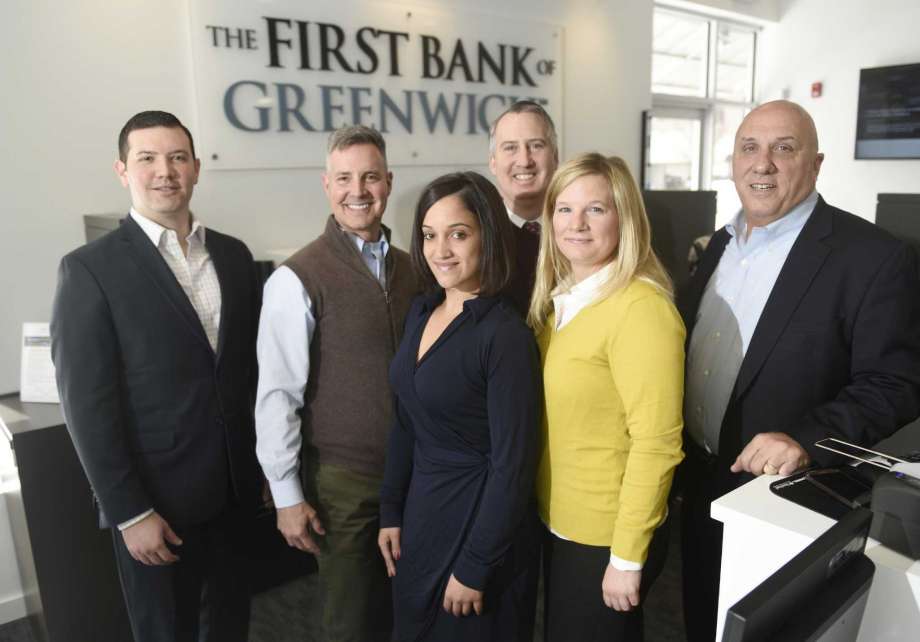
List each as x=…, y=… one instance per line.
x=194, y=272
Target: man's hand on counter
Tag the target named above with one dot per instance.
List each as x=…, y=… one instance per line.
x=771, y=453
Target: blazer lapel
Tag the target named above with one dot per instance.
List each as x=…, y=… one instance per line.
x=806, y=257
x=224, y=268
x=148, y=258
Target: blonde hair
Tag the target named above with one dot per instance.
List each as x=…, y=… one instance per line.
x=633, y=257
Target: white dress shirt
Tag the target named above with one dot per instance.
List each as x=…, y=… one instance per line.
x=519, y=222
x=196, y=275
x=515, y=219
x=568, y=302
x=728, y=315
x=194, y=271
x=286, y=329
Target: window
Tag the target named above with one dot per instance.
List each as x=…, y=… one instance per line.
x=702, y=87
x=673, y=158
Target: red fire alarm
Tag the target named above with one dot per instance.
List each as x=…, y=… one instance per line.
x=816, y=89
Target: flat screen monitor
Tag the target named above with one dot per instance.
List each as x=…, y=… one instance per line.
x=888, y=116
x=818, y=595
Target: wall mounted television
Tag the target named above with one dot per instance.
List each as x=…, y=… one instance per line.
x=888, y=116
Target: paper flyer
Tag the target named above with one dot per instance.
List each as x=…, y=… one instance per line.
x=37, y=383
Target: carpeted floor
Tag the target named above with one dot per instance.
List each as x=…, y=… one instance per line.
x=17, y=631
x=290, y=613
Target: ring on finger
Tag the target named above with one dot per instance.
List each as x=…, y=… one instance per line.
x=770, y=469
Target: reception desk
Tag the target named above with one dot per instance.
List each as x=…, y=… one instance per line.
x=763, y=531
x=71, y=587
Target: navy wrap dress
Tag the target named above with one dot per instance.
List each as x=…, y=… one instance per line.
x=460, y=470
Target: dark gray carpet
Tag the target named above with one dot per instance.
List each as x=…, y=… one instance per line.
x=17, y=631
x=291, y=613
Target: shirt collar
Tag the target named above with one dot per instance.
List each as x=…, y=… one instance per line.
x=359, y=242
x=587, y=288
x=154, y=230
x=794, y=220
x=477, y=307
x=518, y=221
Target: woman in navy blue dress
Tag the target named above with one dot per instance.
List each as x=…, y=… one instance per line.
x=459, y=532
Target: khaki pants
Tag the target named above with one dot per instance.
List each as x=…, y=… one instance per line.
x=357, y=603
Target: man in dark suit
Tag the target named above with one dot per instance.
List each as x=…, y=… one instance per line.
x=803, y=323
x=153, y=338
x=523, y=155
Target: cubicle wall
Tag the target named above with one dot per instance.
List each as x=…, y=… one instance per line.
x=900, y=215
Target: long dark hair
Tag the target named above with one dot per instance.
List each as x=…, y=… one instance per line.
x=479, y=196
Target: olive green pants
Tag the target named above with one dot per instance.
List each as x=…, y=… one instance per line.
x=357, y=603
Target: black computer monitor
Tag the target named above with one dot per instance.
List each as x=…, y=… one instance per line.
x=819, y=595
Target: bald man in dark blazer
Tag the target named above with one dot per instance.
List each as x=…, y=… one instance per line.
x=803, y=322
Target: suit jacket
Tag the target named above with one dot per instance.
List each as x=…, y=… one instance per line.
x=527, y=248
x=836, y=352
x=157, y=418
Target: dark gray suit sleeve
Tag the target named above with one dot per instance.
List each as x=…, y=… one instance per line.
x=84, y=347
x=884, y=389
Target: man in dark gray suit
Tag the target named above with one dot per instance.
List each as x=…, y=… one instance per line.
x=153, y=337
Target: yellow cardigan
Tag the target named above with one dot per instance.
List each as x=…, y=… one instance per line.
x=614, y=382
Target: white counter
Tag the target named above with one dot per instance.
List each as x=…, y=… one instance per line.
x=763, y=532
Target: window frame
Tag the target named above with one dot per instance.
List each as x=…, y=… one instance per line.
x=663, y=102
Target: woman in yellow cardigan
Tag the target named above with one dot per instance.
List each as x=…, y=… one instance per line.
x=612, y=346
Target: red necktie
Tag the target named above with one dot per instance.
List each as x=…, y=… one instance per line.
x=532, y=226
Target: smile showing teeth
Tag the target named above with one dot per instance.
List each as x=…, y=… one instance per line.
x=524, y=177
x=357, y=206
x=762, y=187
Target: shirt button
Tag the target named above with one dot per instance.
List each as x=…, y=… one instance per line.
x=716, y=335
x=699, y=411
x=744, y=262
x=705, y=373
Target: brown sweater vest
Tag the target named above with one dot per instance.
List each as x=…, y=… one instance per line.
x=348, y=405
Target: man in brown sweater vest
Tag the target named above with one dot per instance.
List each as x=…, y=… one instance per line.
x=331, y=321
x=523, y=155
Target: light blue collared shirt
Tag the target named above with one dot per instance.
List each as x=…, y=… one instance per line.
x=374, y=254
x=728, y=315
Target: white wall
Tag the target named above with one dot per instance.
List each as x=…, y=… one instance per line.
x=73, y=72
x=829, y=41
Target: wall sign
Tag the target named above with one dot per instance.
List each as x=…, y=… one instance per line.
x=274, y=77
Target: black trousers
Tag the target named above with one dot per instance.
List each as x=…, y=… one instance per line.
x=574, y=609
x=203, y=597
x=701, y=479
